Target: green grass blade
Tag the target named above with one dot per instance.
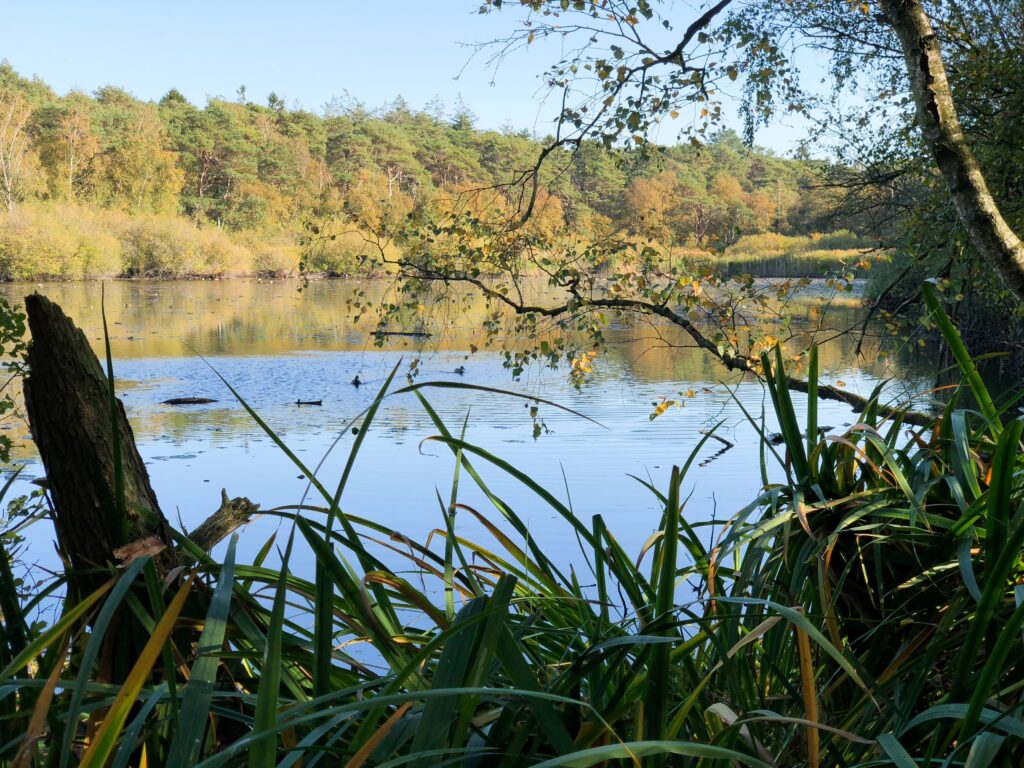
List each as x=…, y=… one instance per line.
x=97, y=637
x=53, y=634
x=452, y=668
x=812, y=402
x=638, y=749
x=659, y=691
x=984, y=750
x=963, y=358
x=195, y=705
x=267, y=698
x=109, y=734
x=894, y=751
x=129, y=739
x=1000, y=494
x=272, y=434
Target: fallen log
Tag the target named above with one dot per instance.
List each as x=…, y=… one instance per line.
x=189, y=401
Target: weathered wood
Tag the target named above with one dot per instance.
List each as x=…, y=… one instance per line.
x=68, y=403
x=69, y=408
x=232, y=514
x=411, y=334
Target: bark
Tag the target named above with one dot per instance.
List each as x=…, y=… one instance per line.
x=69, y=409
x=68, y=403
x=940, y=127
x=232, y=514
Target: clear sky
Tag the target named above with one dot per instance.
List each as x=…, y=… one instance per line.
x=306, y=51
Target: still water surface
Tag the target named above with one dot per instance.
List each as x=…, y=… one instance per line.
x=277, y=345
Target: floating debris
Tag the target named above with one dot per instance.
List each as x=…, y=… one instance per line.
x=189, y=401
x=413, y=334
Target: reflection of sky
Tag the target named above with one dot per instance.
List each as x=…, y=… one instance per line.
x=191, y=452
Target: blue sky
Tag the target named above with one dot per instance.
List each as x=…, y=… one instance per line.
x=305, y=51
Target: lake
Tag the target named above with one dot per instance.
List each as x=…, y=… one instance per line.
x=276, y=344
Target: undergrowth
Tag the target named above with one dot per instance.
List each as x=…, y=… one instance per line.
x=864, y=611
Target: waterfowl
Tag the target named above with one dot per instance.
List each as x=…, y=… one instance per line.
x=356, y=382
x=460, y=370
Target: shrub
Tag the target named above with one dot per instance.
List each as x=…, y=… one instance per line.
x=56, y=243
x=767, y=244
x=339, y=253
x=164, y=246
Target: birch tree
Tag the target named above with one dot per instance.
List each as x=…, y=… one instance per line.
x=18, y=163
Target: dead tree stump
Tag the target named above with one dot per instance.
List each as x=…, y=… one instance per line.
x=68, y=401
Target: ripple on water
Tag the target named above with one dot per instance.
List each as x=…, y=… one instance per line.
x=276, y=346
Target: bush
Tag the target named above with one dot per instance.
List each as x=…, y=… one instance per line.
x=841, y=239
x=340, y=253
x=767, y=244
x=772, y=255
x=56, y=243
x=74, y=242
x=158, y=246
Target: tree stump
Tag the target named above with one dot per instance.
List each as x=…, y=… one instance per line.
x=68, y=400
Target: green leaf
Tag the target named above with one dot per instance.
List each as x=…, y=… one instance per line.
x=195, y=706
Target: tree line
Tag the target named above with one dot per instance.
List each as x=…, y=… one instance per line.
x=113, y=172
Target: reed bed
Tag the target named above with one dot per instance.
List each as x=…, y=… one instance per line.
x=864, y=611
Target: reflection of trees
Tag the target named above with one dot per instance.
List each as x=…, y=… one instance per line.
x=654, y=351
x=261, y=318
x=241, y=317
x=249, y=317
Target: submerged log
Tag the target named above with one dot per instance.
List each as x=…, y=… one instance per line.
x=410, y=334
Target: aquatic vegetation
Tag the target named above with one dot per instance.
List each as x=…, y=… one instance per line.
x=863, y=611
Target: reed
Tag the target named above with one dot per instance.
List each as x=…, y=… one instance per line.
x=864, y=611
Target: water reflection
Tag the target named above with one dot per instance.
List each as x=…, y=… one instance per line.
x=277, y=345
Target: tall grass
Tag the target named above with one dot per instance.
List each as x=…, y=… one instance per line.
x=864, y=611
x=57, y=241
x=814, y=255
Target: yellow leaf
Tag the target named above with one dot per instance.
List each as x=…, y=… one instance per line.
x=673, y=114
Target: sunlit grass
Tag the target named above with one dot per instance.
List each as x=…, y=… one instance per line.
x=861, y=612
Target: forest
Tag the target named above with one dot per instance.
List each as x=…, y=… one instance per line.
x=654, y=456
x=107, y=185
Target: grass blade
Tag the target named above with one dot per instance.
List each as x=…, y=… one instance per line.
x=107, y=736
x=265, y=716
x=195, y=706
